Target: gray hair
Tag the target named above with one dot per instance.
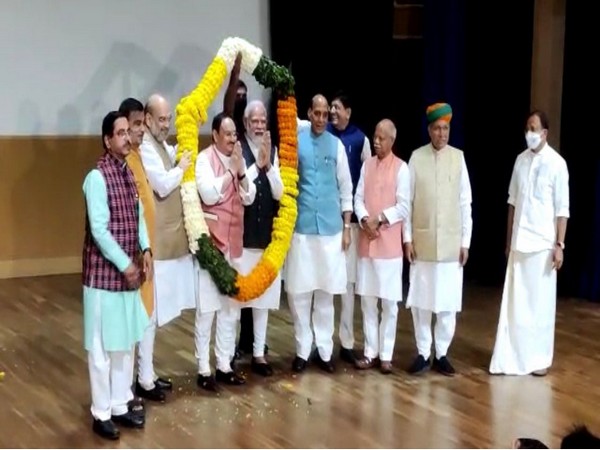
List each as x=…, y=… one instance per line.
x=252, y=106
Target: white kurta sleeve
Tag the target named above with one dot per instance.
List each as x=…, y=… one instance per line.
x=465, y=205
x=247, y=193
x=407, y=228
x=302, y=124
x=399, y=212
x=512, y=187
x=366, y=150
x=162, y=181
x=275, y=181
x=343, y=178
x=561, y=191
x=359, y=197
x=209, y=186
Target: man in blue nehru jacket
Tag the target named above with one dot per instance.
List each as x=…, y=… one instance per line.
x=358, y=149
x=316, y=261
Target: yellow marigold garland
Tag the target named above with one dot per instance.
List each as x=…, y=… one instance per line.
x=191, y=114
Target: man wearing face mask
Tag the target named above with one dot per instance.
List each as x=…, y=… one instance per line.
x=174, y=287
x=538, y=210
x=358, y=150
x=224, y=188
x=437, y=238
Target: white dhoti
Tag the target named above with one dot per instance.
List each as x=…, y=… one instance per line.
x=435, y=288
x=209, y=301
x=379, y=279
x=269, y=300
x=315, y=265
x=174, y=291
x=346, y=328
x=525, y=335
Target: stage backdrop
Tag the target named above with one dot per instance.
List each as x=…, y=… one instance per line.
x=67, y=63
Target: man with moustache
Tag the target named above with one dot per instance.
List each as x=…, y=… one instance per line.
x=358, y=150
x=316, y=261
x=116, y=259
x=263, y=170
x=173, y=263
x=134, y=111
x=224, y=189
x=437, y=238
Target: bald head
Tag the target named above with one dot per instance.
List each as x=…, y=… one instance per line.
x=385, y=136
x=388, y=127
x=318, y=114
x=157, y=117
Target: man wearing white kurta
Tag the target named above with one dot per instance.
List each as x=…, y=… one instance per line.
x=263, y=171
x=224, y=190
x=316, y=261
x=358, y=149
x=173, y=264
x=381, y=205
x=538, y=209
x=437, y=240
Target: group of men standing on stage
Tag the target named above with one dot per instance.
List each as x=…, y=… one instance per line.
x=359, y=215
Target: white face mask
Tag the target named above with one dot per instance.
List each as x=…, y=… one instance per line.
x=533, y=139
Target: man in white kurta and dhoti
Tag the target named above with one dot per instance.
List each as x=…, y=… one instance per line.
x=224, y=190
x=263, y=171
x=538, y=210
x=316, y=261
x=437, y=240
x=173, y=263
x=381, y=205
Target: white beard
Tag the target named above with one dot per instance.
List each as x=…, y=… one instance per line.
x=256, y=140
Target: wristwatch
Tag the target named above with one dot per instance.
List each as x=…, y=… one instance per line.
x=380, y=220
x=561, y=244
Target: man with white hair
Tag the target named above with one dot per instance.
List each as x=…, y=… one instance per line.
x=381, y=205
x=263, y=170
x=316, y=262
x=173, y=263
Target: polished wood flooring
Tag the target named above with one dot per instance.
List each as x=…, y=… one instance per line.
x=44, y=396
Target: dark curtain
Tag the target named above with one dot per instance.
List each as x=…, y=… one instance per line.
x=498, y=91
x=444, y=63
x=328, y=48
x=580, y=276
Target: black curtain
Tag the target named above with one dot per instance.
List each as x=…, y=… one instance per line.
x=580, y=276
x=336, y=45
x=498, y=91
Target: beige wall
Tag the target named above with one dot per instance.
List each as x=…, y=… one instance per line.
x=42, y=212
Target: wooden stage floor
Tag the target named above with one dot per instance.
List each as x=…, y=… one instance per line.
x=45, y=393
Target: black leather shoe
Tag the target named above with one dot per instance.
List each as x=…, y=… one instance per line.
x=299, y=364
x=419, y=365
x=326, y=366
x=164, y=385
x=207, y=382
x=155, y=394
x=230, y=378
x=347, y=354
x=263, y=369
x=130, y=420
x=106, y=429
x=443, y=366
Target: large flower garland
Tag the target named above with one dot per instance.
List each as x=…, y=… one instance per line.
x=191, y=114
